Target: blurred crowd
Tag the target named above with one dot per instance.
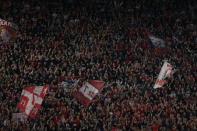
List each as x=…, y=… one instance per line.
x=101, y=40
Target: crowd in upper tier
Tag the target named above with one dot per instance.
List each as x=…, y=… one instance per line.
x=101, y=40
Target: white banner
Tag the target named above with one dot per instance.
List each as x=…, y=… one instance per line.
x=157, y=42
x=166, y=71
x=9, y=24
x=88, y=91
x=31, y=99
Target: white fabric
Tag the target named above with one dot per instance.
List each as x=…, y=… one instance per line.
x=165, y=72
x=9, y=24
x=87, y=90
x=157, y=42
x=30, y=105
x=38, y=90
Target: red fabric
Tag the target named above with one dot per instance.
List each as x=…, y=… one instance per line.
x=130, y=73
x=34, y=111
x=97, y=83
x=104, y=121
x=126, y=60
x=155, y=127
x=43, y=92
x=144, y=45
x=23, y=102
x=159, y=51
x=5, y=46
x=114, y=128
x=77, y=121
x=34, y=39
x=80, y=97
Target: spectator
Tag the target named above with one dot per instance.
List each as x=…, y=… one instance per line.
x=105, y=41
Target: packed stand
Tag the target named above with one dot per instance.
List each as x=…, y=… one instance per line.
x=101, y=41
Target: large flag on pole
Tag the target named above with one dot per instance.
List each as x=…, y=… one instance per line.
x=166, y=71
x=88, y=91
x=31, y=99
x=157, y=42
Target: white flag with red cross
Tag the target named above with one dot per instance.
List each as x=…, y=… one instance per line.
x=31, y=99
x=166, y=71
x=88, y=91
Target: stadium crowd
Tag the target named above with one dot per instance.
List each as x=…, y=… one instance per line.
x=101, y=40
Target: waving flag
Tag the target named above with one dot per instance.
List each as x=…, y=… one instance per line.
x=8, y=24
x=64, y=84
x=88, y=91
x=157, y=42
x=31, y=99
x=7, y=30
x=166, y=71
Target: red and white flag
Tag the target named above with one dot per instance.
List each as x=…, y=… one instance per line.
x=7, y=30
x=88, y=91
x=31, y=99
x=166, y=71
x=8, y=24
